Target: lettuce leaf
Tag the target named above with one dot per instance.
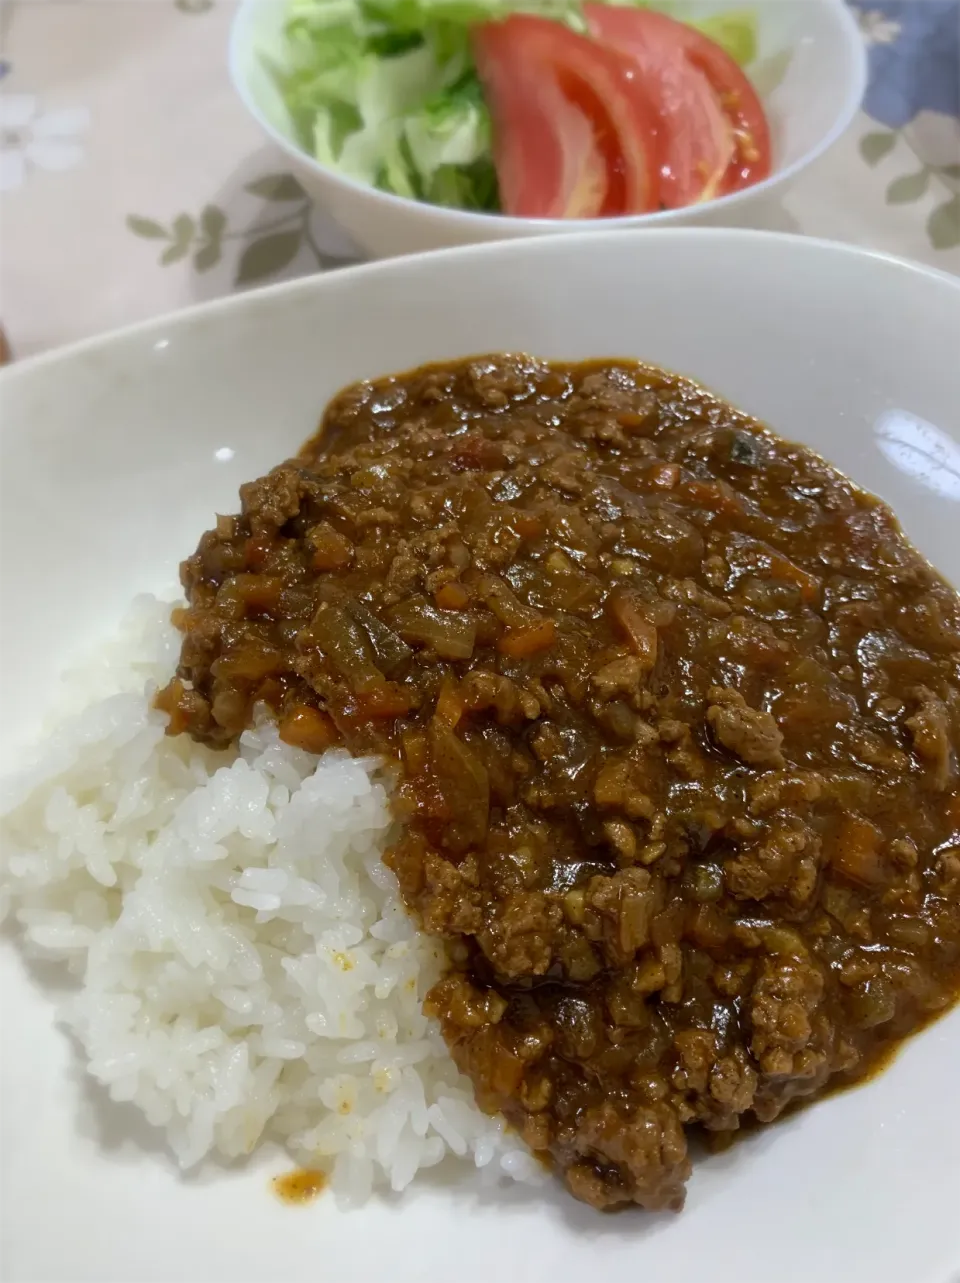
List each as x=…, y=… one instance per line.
x=735, y=31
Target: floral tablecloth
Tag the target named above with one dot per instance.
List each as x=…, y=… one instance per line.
x=132, y=182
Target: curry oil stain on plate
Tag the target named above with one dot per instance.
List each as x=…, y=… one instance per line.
x=302, y=1185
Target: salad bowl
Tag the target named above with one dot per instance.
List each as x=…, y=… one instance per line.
x=804, y=58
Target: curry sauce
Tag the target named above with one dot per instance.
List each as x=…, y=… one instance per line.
x=675, y=713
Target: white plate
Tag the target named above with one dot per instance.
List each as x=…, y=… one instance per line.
x=113, y=458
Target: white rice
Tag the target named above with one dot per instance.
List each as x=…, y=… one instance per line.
x=248, y=970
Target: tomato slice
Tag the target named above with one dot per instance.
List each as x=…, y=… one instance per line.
x=716, y=136
x=575, y=135
x=547, y=163
x=740, y=101
x=698, y=142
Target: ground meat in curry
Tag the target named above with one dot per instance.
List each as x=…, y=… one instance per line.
x=676, y=713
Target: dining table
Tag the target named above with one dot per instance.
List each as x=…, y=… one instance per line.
x=133, y=181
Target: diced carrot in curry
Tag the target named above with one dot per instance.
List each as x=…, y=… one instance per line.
x=631, y=421
x=172, y=701
x=712, y=495
x=452, y=596
x=256, y=552
x=305, y=727
x=520, y=643
x=477, y=452
x=387, y=700
x=257, y=594
x=331, y=550
x=783, y=568
x=528, y=525
x=627, y=610
x=857, y=853
x=664, y=475
x=270, y=692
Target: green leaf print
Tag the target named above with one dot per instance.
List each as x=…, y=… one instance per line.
x=266, y=247
x=207, y=256
x=277, y=187
x=174, y=253
x=183, y=229
x=213, y=222
x=908, y=188
x=943, y=225
x=873, y=147
x=147, y=228
x=213, y=225
x=268, y=255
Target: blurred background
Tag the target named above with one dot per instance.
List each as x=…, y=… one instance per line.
x=133, y=181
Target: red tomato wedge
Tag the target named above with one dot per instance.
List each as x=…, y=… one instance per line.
x=740, y=101
x=547, y=162
x=716, y=136
x=574, y=133
x=697, y=137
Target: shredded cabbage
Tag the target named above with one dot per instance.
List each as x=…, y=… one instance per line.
x=385, y=90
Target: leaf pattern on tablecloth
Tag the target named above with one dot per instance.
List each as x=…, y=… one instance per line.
x=943, y=222
x=203, y=237
x=943, y=225
x=267, y=247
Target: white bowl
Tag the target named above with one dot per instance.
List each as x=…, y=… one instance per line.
x=811, y=72
x=113, y=457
